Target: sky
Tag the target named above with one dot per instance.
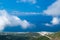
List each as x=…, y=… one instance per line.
x=29, y=15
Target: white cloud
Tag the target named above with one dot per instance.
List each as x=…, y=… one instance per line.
x=10, y=20
x=55, y=21
x=47, y=24
x=24, y=13
x=53, y=9
x=28, y=1
x=25, y=24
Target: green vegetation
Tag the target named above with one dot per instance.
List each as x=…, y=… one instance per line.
x=43, y=38
x=55, y=36
x=22, y=36
x=29, y=36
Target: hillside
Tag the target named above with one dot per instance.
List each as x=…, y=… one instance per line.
x=29, y=36
x=55, y=36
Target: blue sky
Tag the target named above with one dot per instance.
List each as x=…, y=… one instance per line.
x=26, y=7
x=29, y=15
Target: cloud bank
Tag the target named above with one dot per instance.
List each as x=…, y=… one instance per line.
x=11, y=20
x=54, y=11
